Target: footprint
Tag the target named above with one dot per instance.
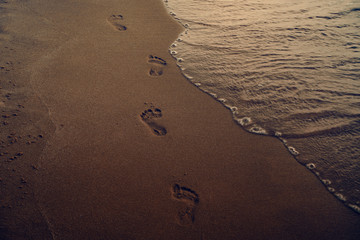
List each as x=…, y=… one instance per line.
x=116, y=22
x=190, y=198
x=155, y=71
x=185, y=194
x=186, y=216
x=157, y=60
x=149, y=116
x=157, y=65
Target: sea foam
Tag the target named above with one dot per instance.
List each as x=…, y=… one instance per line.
x=281, y=76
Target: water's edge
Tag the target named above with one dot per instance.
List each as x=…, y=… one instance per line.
x=243, y=122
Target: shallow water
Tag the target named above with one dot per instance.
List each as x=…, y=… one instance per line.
x=285, y=68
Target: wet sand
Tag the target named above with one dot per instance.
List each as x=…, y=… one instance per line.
x=103, y=138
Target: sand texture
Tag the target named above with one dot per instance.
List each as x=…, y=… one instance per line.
x=103, y=138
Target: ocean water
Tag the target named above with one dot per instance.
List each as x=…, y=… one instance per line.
x=285, y=68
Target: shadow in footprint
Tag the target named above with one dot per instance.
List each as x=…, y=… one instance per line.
x=190, y=198
x=149, y=116
x=157, y=65
x=186, y=216
x=186, y=194
x=116, y=22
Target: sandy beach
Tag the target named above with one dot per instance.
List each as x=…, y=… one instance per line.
x=103, y=138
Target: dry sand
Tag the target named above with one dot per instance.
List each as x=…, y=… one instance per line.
x=103, y=138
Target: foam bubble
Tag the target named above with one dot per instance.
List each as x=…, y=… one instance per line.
x=293, y=151
x=326, y=181
x=340, y=196
x=258, y=130
x=187, y=76
x=355, y=207
x=278, y=134
x=311, y=166
x=172, y=14
x=331, y=189
x=244, y=121
x=233, y=109
x=179, y=40
x=223, y=100
x=173, y=52
x=180, y=60
x=197, y=84
x=186, y=25
x=213, y=95
x=173, y=45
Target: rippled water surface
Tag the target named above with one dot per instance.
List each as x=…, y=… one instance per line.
x=285, y=68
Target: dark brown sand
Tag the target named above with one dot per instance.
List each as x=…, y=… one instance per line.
x=102, y=138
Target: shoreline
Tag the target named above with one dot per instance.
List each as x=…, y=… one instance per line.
x=240, y=121
x=185, y=54
x=113, y=169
